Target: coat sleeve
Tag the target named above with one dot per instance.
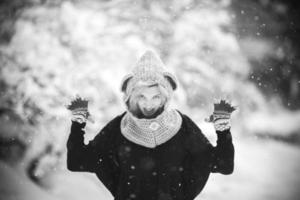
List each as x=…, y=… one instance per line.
x=219, y=158
x=222, y=156
x=90, y=157
x=81, y=157
x=98, y=156
x=203, y=158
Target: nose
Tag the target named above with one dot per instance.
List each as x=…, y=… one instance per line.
x=149, y=105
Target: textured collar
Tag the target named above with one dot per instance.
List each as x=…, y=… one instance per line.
x=151, y=132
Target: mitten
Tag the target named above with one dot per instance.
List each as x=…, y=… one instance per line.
x=221, y=115
x=79, y=109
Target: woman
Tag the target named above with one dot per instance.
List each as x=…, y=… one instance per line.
x=151, y=151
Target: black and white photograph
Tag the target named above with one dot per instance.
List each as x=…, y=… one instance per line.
x=149, y=99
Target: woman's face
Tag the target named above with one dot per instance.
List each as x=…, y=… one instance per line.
x=149, y=101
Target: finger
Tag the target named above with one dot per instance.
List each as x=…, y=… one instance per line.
x=79, y=116
x=222, y=121
x=207, y=119
x=235, y=107
x=80, y=110
x=222, y=124
x=78, y=119
x=67, y=106
x=222, y=127
x=221, y=117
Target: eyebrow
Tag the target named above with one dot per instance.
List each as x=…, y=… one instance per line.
x=153, y=85
x=155, y=94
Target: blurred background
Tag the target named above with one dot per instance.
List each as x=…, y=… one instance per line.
x=247, y=51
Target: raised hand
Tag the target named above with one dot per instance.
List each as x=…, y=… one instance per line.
x=221, y=115
x=79, y=109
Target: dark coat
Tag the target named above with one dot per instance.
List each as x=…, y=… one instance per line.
x=175, y=170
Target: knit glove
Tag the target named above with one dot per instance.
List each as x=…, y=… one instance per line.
x=79, y=109
x=221, y=115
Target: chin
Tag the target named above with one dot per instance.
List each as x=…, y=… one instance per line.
x=149, y=116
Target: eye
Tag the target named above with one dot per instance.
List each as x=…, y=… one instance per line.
x=157, y=97
x=141, y=97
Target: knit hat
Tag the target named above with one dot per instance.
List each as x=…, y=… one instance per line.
x=148, y=70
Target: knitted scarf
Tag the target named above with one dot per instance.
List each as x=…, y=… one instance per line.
x=151, y=132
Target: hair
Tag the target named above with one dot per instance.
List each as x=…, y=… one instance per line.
x=132, y=103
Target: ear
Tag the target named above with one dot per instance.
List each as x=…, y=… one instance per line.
x=125, y=81
x=172, y=80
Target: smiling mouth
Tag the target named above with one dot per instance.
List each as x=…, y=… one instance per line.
x=149, y=112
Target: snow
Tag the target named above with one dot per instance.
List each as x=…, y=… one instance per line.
x=14, y=185
x=264, y=170
x=87, y=48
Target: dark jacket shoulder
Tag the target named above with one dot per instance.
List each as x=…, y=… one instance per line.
x=112, y=126
x=106, y=136
x=195, y=140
